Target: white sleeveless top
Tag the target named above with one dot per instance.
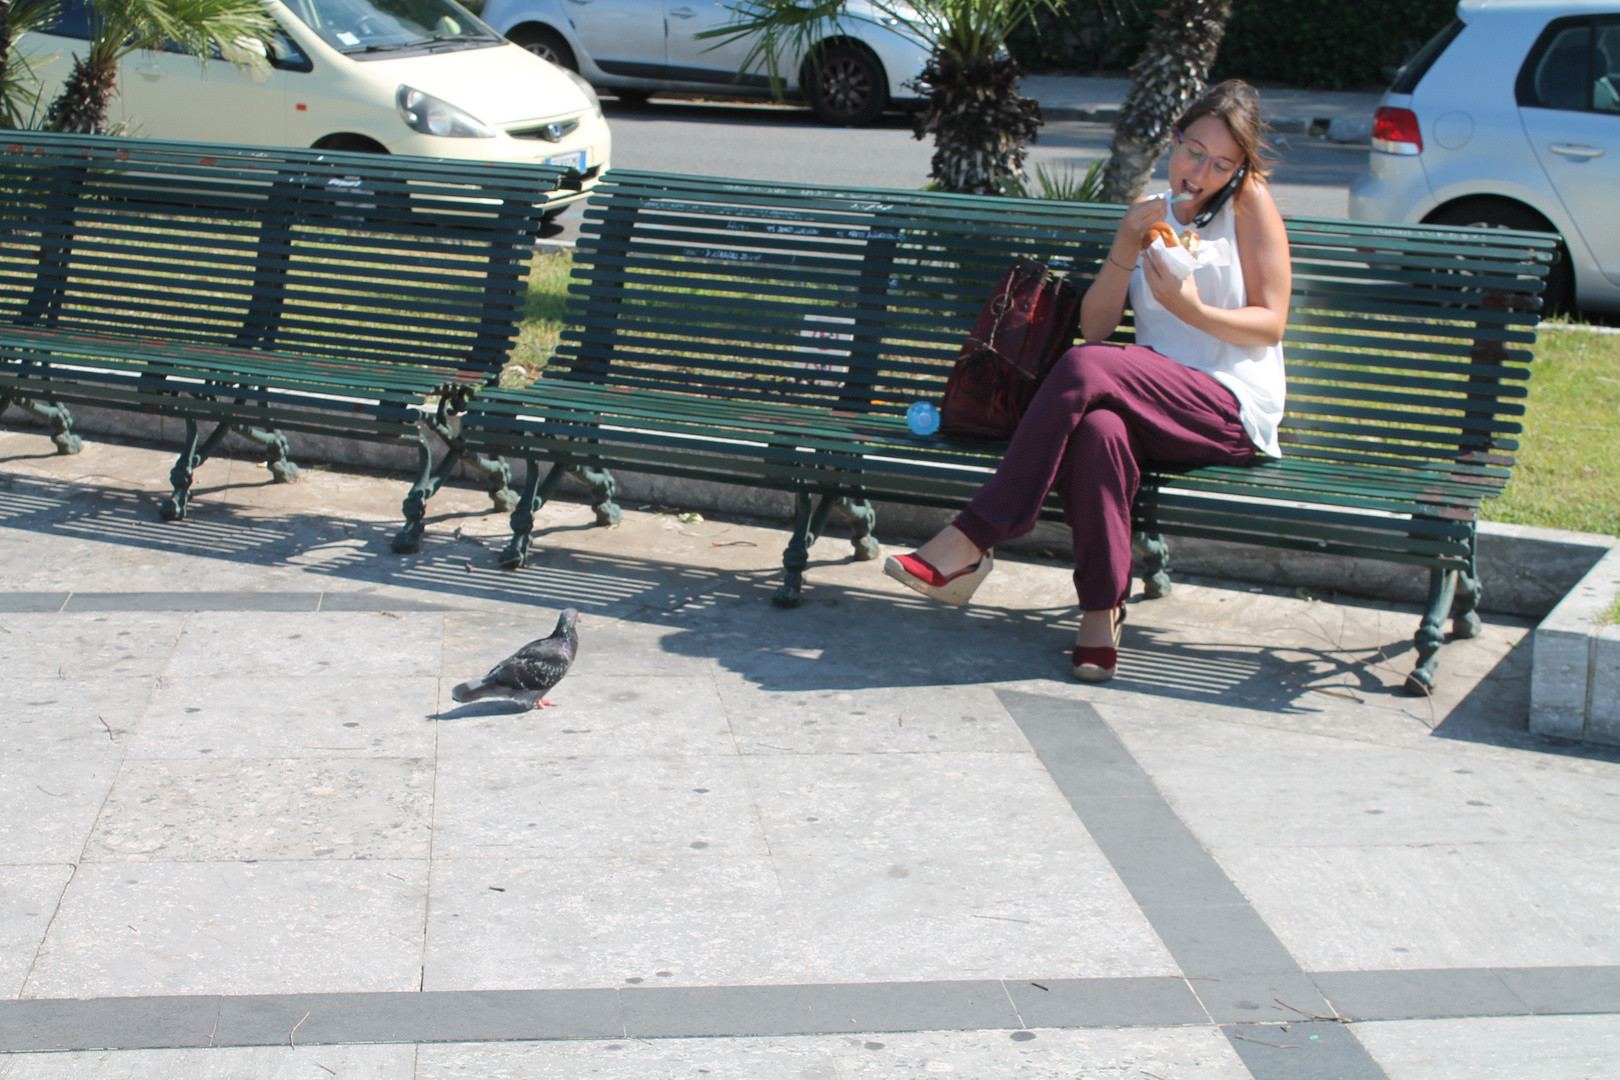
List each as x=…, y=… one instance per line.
x=1254, y=373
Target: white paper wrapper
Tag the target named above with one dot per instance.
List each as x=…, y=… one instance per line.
x=1180, y=263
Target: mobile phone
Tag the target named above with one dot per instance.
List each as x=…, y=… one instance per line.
x=1220, y=198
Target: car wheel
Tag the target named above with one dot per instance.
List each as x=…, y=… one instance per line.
x=846, y=85
x=1559, y=294
x=358, y=144
x=545, y=43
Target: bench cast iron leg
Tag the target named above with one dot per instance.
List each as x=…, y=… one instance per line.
x=428, y=481
x=1464, y=619
x=1155, y=564
x=191, y=458
x=603, y=488
x=535, y=493
x=277, y=458
x=807, y=526
x=1442, y=589
x=58, y=416
x=498, y=475
x=863, y=518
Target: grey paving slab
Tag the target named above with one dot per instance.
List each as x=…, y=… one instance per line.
x=955, y=914
x=872, y=720
x=1417, y=906
x=45, y=646
x=1038, y=1055
x=292, y=645
x=596, y=715
x=786, y=1010
x=222, y=1063
x=1499, y=1048
x=28, y=899
x=76, y=719
x=1338, y=792
x=193, y=600
x=1406, y=995
x=48, y=805
x=609, y=647
x=886, y=804
x=230, y=928
x=473, y=1016
x=243, y=809
x=574, y=806
x=1546, y=800
x=693, y=919
x=316, y=716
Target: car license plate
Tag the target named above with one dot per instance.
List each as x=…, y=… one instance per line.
x=576, y=160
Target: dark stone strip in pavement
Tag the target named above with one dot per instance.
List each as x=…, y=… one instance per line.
x=1239, y=969
x=669, y=1012
x=137, y=1023
x=76, y=602
x=32, y=602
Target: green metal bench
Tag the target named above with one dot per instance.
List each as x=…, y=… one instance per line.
x=261, y=290
x=773, y=335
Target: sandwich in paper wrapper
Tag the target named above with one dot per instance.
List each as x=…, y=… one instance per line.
x=1192, y=252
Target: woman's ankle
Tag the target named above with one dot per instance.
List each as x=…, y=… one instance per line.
x=950, y=551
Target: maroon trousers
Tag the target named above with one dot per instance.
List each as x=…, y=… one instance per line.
x=1102, y=411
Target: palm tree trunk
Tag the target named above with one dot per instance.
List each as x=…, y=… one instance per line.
x=1166, y=78
x=82, y=105
x=979, y=122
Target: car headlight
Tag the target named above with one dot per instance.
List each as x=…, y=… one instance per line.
x=431, y=116
x=585, y=88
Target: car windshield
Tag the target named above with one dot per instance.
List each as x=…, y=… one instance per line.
x=362, y=26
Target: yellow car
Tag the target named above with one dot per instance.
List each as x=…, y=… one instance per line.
x=421, y=77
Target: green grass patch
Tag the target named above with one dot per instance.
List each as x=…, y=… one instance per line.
x=1568, y=472
x=542, y=327
x=1611, y=616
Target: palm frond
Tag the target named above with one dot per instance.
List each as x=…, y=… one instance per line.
x=21, y=89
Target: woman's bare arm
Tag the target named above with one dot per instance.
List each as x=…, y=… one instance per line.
x=1104, y=303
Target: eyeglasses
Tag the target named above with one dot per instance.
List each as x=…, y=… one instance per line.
x=1196, y=153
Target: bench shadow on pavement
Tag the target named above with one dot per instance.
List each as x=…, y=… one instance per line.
x=842, y=638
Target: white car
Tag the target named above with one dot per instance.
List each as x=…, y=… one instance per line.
x=637, y=47
x=420, y=77
x=1510, y=117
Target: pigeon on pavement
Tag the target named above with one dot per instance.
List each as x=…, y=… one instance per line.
x=527, y=674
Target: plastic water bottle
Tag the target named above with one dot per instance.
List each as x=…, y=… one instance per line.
x=922, y=418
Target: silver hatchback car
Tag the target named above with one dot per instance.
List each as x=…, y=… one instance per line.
x=1510, y=117
x=638, y=47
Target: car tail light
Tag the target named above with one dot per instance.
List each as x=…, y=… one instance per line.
x=1395, y=131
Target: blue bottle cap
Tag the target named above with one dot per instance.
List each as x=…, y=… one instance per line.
x=922, y=418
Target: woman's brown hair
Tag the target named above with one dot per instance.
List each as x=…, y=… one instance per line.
x=1236, y=104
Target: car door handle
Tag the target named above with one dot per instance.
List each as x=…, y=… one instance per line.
x=1576, y=150
x=682, y=12
x=150, y=74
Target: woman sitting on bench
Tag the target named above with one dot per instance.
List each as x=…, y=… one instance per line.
x=1203, y=385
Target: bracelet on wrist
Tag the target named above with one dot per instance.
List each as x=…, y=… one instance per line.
x=1122, y=266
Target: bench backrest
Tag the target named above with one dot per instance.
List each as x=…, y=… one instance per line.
x=1406, y=344
x=327, y=255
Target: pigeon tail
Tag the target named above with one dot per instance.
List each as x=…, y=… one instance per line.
x=475, y=689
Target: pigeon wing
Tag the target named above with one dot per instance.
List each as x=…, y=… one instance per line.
x=538, y=666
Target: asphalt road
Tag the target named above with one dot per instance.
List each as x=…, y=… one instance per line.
x=772, y=142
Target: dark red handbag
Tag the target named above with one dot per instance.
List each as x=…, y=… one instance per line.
x=1029, y=321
